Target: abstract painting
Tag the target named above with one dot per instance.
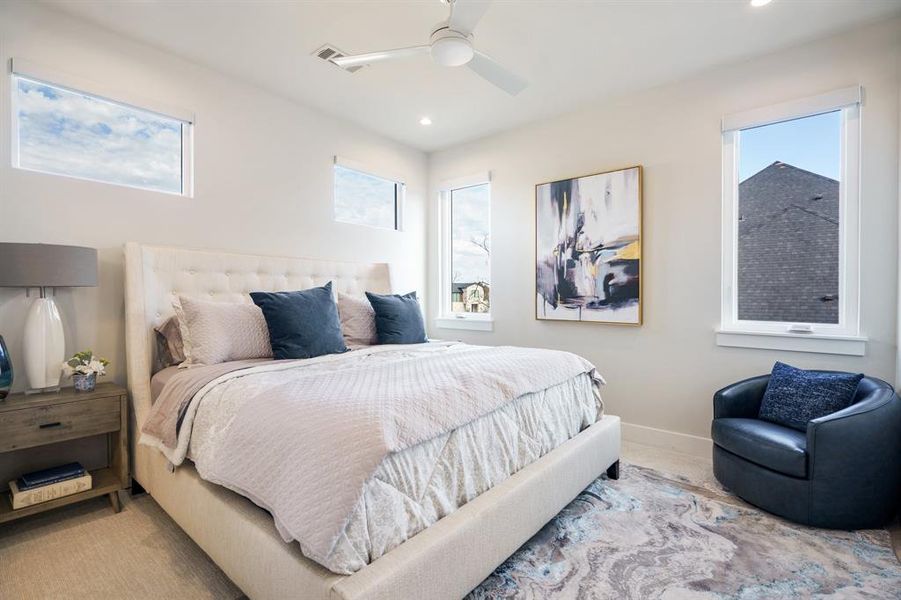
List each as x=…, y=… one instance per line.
x=588, y=248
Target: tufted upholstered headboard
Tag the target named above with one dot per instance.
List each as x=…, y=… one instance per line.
x=154, y=275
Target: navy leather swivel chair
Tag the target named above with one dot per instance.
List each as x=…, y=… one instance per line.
x=844, y=472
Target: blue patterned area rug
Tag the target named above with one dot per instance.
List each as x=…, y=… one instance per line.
x=653, y=536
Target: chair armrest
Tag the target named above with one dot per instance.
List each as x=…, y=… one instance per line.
x=854, y=460
x=877, y=416
x=858, y=449
x=740, y=400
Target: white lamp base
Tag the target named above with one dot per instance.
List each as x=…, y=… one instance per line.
x=44, y=346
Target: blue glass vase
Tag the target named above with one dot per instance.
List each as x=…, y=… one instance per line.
x=6, y=370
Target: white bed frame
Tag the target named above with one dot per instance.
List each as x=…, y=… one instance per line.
x=446, y=560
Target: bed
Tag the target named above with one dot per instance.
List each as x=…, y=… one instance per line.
x=444, y=560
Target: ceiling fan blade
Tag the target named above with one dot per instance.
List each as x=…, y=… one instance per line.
x=373, y=57
x=465, y=14
x=494, y=73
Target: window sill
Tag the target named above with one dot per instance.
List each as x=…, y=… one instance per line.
x=847, y=345
x=469, y=323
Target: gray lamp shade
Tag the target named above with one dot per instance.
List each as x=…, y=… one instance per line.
x=47, y=265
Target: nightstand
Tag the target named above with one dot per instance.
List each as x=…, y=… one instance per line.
x=28, y=421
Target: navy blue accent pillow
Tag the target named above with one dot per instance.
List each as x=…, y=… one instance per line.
x=398, y=319
x=301, y=324
x=794, y=397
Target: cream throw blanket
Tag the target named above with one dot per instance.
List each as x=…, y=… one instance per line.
x=304, y=448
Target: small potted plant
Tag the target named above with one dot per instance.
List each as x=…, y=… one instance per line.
x=84, y=368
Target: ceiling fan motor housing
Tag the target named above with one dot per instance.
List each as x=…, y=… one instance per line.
x=451, y=48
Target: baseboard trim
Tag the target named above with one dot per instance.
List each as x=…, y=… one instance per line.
x=670, y=440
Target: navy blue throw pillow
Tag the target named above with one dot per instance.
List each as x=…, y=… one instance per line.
x=301, y=324
x=398, y=319
x=794, y=397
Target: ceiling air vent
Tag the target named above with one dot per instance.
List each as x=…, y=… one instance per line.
x=330, y=53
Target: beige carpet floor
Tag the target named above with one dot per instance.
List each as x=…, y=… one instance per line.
x=86, y=551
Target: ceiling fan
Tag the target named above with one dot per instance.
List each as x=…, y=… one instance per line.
x=451, y=45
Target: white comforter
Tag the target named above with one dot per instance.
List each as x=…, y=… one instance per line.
x=313, y=441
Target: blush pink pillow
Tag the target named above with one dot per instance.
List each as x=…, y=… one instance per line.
x=357, y=321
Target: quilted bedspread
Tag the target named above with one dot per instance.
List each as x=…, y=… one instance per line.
x=304, y=444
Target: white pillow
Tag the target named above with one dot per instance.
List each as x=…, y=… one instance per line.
x=357, y=321
x=215, y=332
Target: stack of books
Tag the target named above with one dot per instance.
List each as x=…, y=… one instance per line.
x=49, y=484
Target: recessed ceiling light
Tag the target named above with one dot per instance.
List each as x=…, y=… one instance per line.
x=425, y=121
x=758, y=3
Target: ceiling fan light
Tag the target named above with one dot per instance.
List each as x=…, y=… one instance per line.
x=452, y=51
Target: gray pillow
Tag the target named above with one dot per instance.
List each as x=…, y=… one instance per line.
x=301, y=324
x=398, y=319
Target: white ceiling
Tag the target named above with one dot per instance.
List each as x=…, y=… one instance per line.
x=572, y=52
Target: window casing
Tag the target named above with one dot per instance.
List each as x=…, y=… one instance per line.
x=464, y=272
x=362, y=197
x=842, y=323
x=73, y=128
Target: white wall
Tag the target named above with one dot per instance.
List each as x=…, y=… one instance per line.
x=898, y=354
x=263, y=179
x=663, y=374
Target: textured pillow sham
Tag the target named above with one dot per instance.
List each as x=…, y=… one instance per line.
x=215, y=332
x=794, y=396
x=398, y=319
x=302, y=324
x=357, y=321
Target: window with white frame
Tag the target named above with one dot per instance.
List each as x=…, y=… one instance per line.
x=790, y=218
x=61, y=130
x=465, y=272
x=362, y=198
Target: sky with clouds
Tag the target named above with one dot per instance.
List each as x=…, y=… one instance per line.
x=471, y=218
x=364, y=199
x=69, y=133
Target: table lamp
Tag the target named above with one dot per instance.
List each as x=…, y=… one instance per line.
x=45, y=266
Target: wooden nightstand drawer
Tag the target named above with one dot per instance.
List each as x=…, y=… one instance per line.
x=36, y=426
x=29, y=421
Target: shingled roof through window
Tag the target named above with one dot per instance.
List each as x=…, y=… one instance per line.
x=788, y=246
